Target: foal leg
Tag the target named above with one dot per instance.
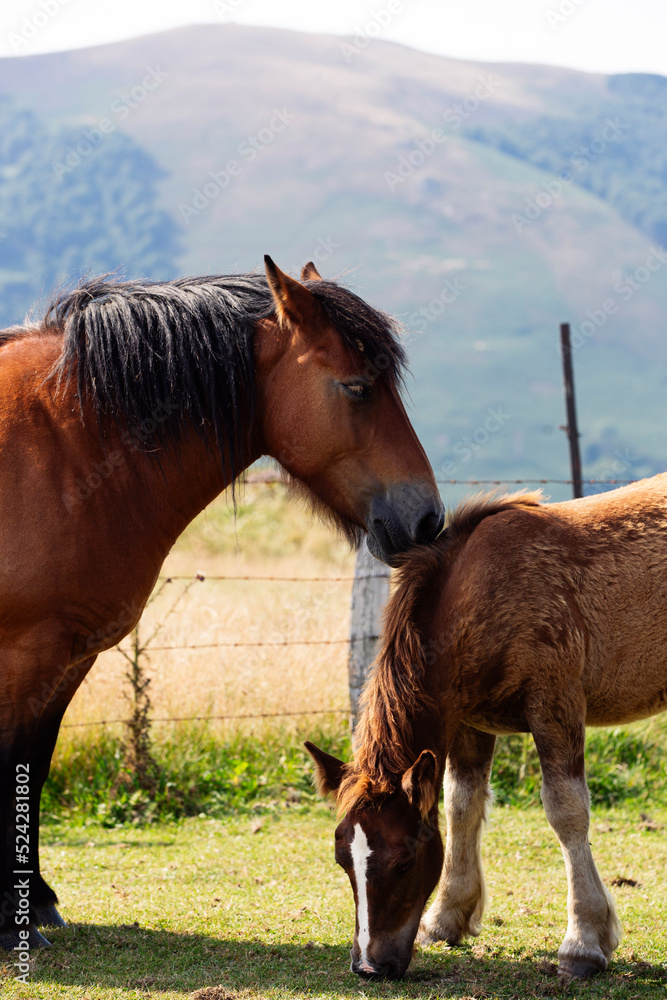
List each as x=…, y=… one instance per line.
x=457, y=909
x=593, y=930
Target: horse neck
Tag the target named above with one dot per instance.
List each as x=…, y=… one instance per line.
x=153, y=484
x=180, y=481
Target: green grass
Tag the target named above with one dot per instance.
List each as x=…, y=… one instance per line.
x=256, y=904
x=240, y=891
x=623, y=765
x=199, y=771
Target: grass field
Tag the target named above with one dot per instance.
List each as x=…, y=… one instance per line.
x=270, y=536
x=256, y=907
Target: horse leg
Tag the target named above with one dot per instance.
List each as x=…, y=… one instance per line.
x=26, y=900
x=593, y=930
x=456, y=911
x=43, y=900
x=18, y=877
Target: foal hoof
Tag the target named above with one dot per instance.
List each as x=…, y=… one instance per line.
x=10, y=940
x=48, y=916
x=427, y=936
x=579, y=968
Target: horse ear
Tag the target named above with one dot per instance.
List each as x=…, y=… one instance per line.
x=295, y=304
x=420, y=783
x=329, y=770
x=310, y=273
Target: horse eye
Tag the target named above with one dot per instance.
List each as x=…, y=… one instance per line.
x=404, y=869
x=360, y=392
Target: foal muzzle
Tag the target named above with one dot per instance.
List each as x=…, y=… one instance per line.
x=371, y=970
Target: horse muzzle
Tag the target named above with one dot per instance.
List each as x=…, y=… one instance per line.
x=401, y=518
x=371, y=970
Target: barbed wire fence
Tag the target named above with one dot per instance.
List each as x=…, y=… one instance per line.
x=369, y=591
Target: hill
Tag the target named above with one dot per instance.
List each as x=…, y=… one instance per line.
x=484, y=204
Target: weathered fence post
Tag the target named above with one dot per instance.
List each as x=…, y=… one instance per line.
x=571, y=409
x=370, y=591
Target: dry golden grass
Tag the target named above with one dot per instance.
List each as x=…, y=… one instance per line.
x=270, y=536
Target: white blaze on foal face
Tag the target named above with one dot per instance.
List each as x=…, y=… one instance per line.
x=360, y=854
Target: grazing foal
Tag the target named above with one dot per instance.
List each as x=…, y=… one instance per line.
x=522, y=617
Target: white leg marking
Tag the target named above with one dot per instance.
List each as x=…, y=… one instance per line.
x=360, y=855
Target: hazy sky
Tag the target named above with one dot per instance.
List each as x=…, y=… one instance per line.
x=596, y=35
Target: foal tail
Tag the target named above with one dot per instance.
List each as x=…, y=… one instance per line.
x=396, y=693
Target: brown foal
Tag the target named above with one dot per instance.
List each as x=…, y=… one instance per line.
x=522, y=617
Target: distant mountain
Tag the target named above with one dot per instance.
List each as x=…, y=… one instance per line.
x=484, y=204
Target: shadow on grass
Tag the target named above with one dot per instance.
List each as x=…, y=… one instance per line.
x=135, y=958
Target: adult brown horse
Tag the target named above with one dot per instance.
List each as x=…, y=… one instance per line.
x=522, y=617
x=121, y=417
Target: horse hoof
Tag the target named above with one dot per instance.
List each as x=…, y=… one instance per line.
x=426, y=936
x=13, y=940
x=48, y=916
x=578, y=968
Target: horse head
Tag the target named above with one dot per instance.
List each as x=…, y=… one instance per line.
x=390, y=847
x=329, y=369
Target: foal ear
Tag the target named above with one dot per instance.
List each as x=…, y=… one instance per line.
x=420, y=783
x=294, y=303
x=310, y=273
x=329, y=770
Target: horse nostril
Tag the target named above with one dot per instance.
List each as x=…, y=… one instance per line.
x=429, y=527
x=368, y=970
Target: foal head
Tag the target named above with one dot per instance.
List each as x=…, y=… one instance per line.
x=329, y=369
x=390, y=847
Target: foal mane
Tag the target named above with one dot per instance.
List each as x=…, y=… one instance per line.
x=396, y=692
x=182, y=351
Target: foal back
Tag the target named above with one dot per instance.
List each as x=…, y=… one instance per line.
x=561, y=597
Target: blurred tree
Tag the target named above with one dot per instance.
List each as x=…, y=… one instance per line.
x=73, y=202
x=615, y=147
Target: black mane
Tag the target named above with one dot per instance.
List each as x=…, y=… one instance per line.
x=180, y=353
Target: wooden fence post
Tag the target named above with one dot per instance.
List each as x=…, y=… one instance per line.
x=571, y=409
x=370, y=591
